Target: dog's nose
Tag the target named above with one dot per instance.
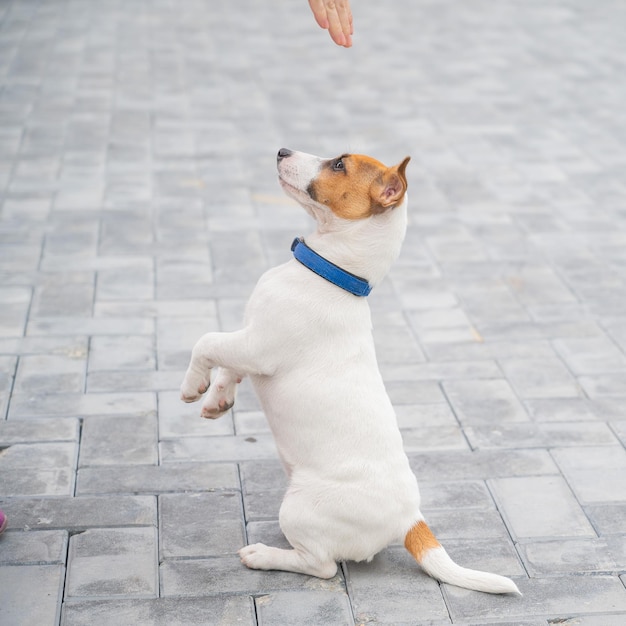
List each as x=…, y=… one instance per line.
x=283, y=153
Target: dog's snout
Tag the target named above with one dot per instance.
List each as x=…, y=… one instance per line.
x=283, y=153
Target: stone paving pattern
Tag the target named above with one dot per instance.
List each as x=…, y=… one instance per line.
x=138, y=207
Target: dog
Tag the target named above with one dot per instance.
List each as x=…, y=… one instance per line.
x=308, y=349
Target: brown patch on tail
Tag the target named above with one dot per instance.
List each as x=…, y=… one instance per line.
x=420, y=540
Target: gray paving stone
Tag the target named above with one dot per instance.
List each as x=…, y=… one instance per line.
x=262, y=505
x=415, y=593
x=176, y=338
x=43, y=430
x=607, y=519
x=65, y=293
x=304, y=607
x=267, y=475
x=250, y=422
x=442, y=325
x=77, y=325
x=540, y=506
x=612, y=385
x=547, y=378
x=397, y=345
x=29, y=405
x=42, y=454
x=517, y=622
x=440, y=371
x=619, y=428
x=540, y=435
x=412, y=392
x=481, y=464
x=53, y=374
x=477, y=349
x=128, y=283
x=425, y=416
x=267, y=532
x=539, y=284
x=596, y=475
x=564, y=410
x=121, y=381
x=433, y=438
x=549, y=597
x=226, y=575
x=121, y=353
x=614, y=619
x=217, y=448
x=119, y=441
x=200, y=524
x=154, y=479
x=591, y=355
x=477, y=402
x=38, y=468
x=492, y=303
x=549, y=558
x=465, y=523
x=203, y=611
x=207, y=308
x=71, y=347
x=13, y=317
x=34, y=548
x=79, y=513
x=31, y=594
x=113, y=562
x=33, y=481
x=472, y=494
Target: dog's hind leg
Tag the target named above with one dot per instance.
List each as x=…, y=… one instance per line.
x=221, y=395
x=260, y=556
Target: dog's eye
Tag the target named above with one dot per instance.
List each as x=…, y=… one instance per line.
x=338, y=165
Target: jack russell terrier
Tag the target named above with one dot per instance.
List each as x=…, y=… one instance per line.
x=307, y=346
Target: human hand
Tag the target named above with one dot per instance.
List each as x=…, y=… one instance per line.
x=336, y=17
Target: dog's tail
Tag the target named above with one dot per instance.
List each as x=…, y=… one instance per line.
x=429, y=553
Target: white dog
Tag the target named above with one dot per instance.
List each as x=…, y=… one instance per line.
x=307, y=346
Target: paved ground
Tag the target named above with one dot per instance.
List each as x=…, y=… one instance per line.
x=138, y=207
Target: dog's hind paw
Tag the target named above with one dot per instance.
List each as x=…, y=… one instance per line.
x=260, y=556
x=256, y=556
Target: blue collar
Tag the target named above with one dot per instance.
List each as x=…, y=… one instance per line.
x=331, y=272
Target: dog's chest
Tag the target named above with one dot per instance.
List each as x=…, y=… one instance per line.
x=297, y=304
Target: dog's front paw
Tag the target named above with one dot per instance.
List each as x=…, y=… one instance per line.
x=193, y=388
x=221, y=396
x=256, y=556
x=212, y=411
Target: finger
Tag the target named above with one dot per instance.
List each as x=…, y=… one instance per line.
x=335, y=26
x=319, y=11
x=345, y=16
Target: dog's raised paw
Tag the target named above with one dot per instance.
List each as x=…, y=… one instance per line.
x=188, y=395
x=221, y=396
x=193, y=387
x=212, y=411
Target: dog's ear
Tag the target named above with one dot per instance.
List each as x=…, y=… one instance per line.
x=388, y=190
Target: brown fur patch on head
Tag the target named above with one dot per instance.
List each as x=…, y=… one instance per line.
x=355, y=186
